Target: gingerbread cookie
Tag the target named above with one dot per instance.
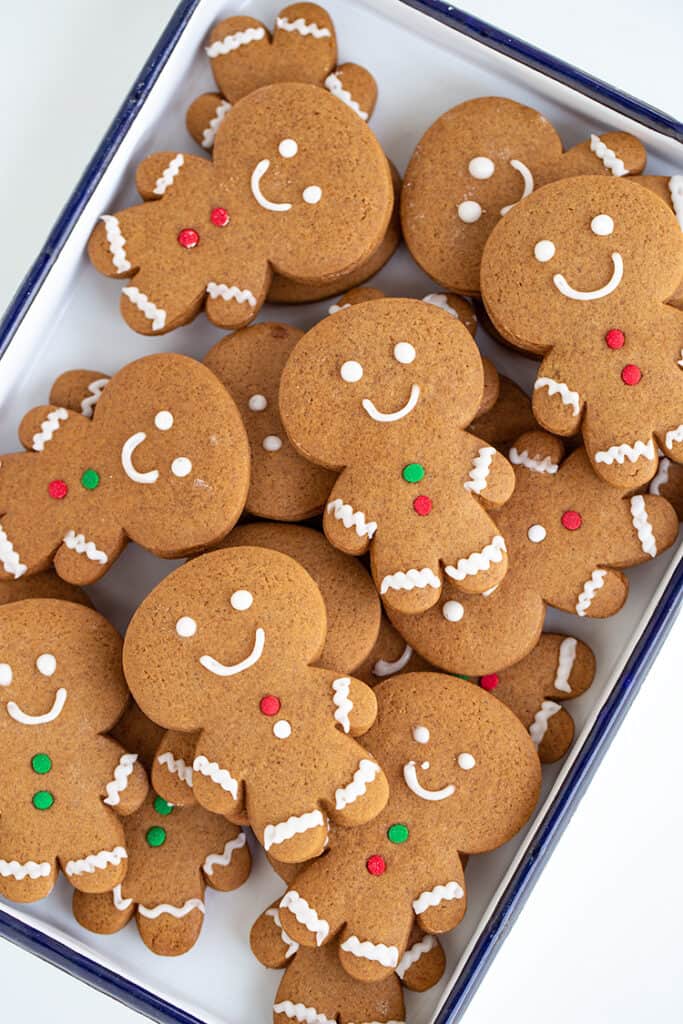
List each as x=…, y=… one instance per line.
x=390, y=656
x=164, y=461
x=485, y=155
x=508, y=417
x=275, y=741
x=600, y=258
x=464, y=777
x=43, y=584
x=64, y=784
x=669, y=484
x=670, y=189
x=383, y=391
x=297, y=183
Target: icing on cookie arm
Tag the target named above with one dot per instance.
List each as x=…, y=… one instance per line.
x=347, y=522
x=51, y=427
x=159, y=174
x=125, y=781
x=556, y=405
x=215, y=785
x=490, y=477
x=114, y=246
x=84, y=557
x=355, y=705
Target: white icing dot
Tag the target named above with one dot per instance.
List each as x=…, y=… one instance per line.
x=404, y=352
x=181, y=466
x=469, y=211
x=282, y=729
x=272, y=443
x=257, y=403
x=241, y=600
x=46, y=664
x=481, y=167
x=5, y=674
x=351, y=371
x=186, y=626
x=536, y=533
x=421, y=734
x=544, y=250
x=466, y=762
x=425, y=765
x=163, y=420
x=312, y=194
x=452, y=611
x=288, y=148
x=602, y=224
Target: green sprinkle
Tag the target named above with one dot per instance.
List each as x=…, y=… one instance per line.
x=41, y=764
x=398, y=833
x=413, y=472
x=42, y=800
x=162, y=806
x=156, y=836
x=90, y=479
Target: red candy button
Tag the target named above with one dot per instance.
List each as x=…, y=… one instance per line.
x=631, y=374
x=57, y=489
x=376, y=864
x=571, y=520
x=422, y=505
x=615, y=338
x=269, y=704
x=188, y=238
x=220, y=217
x=489, y=682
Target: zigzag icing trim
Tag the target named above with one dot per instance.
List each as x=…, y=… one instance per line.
x=351, y=519
x=432, y=898
x=440, y=300
x=387, y=956
x=9, y=558
x=642, y=525
x=213, y=771
x=662, y=477
x=294, y=826
x=620, y=452
x=419, y=578
x=565, y=664
x=95, y=389
x=544, y=465
x=166, y=908
x=384, y=668
x=119, y=902
x=209, y=133
x=77, y=542
x=96, y=861
x=119, y=783
x=145, y=305
x=342, y=702
x=673, y=436
x=177, y=766
x=334, y=85
x=28, y=869
x=608, y=157
x=478, y=561
x=222, y=860
x=415, y=953
x=334, y=308
x=539, y=726
x=556, y=387
x=229, y=292
x=589, y=591
x=366, y=772
x=479, y=474
x=168, y=175
x=116, y=242
x=234, y=41
x=292, y=946
x=305, y=915
x=300, y=1012
x=676, y=192
x=303, y=27
x=48, y=428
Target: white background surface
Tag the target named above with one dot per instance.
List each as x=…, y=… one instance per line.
x=599, y=939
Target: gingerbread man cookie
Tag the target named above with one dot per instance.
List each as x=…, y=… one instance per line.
x=579, y=274
x=390, y=656
x=670, y=189
x=384, y=391
x=669, y=484
x=485, y=155
x=297, y=184
x=464, y=777
x=64, y=784
x=163, y=461
x=224, y=647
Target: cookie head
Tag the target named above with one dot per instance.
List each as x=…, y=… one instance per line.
x=374, y=373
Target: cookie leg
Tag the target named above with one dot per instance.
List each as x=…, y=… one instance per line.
x=95, y=859
x=104, y=912
x=28, y=867
x=170, y=929
x=405, y=587
x=483, y=565
x=372, y=952
x=423, y=963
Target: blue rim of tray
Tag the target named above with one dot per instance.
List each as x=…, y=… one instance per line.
x=625, y=689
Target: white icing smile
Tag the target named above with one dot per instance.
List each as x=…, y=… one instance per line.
x=179, y=467
x=566, y=289
x=15, y=712
x=411, y=781
x=287, y=149
x=528, y=180
x=391, y=417
x=219, y=669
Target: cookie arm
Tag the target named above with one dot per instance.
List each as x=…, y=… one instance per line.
x=347, y=521
x=125, y=786
x=52, y=427
x=161, y=173
x=217, y=786
x=84, y=556
x=204, y=117
x=491, y=478
x=79, y=390
x=227, y=865
x=172, y=774
x=354, y=705
x=557, y=406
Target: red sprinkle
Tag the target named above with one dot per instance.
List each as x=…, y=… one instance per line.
x=615, y=338
x=270, y=705
x=422, y=505
x=631, y=374
x=188, y=238
x=376, y=864
x=220, y=217
x=489, y=682
x=57, y=489
x=571, y=520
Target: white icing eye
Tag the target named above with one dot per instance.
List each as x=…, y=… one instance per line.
x=481, y=167
x=469, y=211
x=544, y=250
x=272, y=443
x=466, y=762
x=288, y=148
x=5, y=674
x=46, y=664
x=257, y=403
x=163, y=420
x=404, y=352
x=351, y=371
x=181, y=466
x=452, y=611
x=421, y=734
x=602, y=224
x=536, y=533
x=186, y=626
x=312, y=194
x=282, y=729
x=241, y=600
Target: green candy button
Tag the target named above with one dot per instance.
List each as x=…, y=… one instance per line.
x=156, y=836
x=162, y=806
x=43, y=801
x=90, y=479
x=398, y=833
x=41, y=764
x=413, y=472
